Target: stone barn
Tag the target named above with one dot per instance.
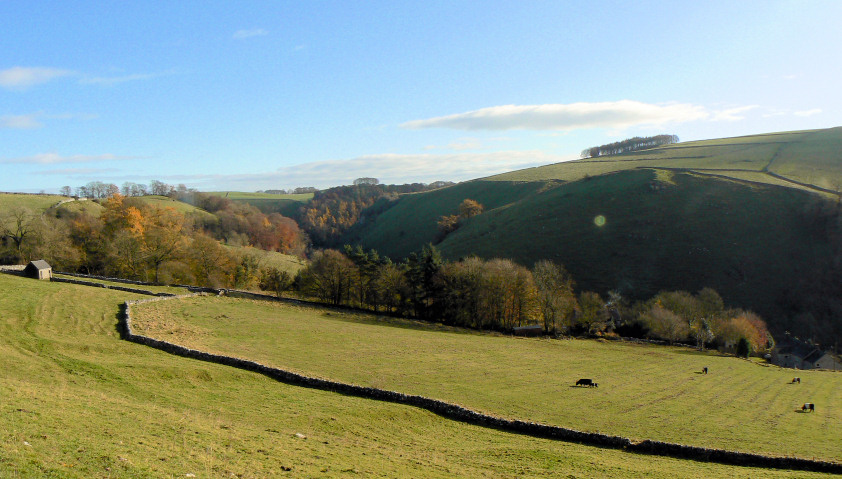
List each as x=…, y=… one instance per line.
x=38, y=269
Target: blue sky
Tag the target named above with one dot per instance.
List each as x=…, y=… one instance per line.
x=256, y=95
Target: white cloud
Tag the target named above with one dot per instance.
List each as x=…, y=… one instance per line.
x=32, y=121
x=805, y=113
x=55, y=158
x=254, y=32
x=21, y=122
x=21, y=78
x=619, y=114
x=731, y=114
x=110, y=81
x=77, y=171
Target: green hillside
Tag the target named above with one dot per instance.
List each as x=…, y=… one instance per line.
x=731, y=214
x=286, y=205
x=180, y=206
x=78, y=402
x=9, y=201
x=808, y=160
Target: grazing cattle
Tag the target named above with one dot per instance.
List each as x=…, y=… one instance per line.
x=596, y=385
x=796, y=380
x=808, y=406
x=585, y=382
x=705, y=370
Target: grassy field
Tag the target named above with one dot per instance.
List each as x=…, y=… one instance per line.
x=810, y=157
x=286, y=205
x=285, y=262
x=37, y=203
x=78, y=402
x=154, y=289
x=181, y=207
x=645, y=392
x=90, y=207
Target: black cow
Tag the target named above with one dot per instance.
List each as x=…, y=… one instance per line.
x=705, y=370
x=808, y=406
x=585, y=382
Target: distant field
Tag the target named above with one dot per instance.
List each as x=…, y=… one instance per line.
x=286, y=205
x=285, y=262
x=181, y=207
x=33, y=202
x=78, y=402
x=645, y=392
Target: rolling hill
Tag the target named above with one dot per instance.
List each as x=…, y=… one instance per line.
x=756, y=218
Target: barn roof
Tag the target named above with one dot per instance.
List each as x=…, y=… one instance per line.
x=40, y=264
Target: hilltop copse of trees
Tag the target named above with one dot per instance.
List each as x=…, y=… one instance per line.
x=628, y=145
x=499, y=294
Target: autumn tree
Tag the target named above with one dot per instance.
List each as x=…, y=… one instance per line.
x=593, y=316
x=275, y=280
x=163, y=238
x=328, y=277
x=665, y=324
x=16, y=225
x=212, y=264
x=556, y=300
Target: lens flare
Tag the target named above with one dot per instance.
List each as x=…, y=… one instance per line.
x=599, y=220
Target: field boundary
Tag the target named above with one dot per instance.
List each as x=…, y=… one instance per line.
x=468, y=416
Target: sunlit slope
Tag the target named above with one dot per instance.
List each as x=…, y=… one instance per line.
x=811, y=160
x=37, y=203
x=78, y=402
x=645, y=391
x=268, y=203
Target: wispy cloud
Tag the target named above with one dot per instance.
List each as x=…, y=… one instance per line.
x=31, y=121
x=254, y=32
x=805, y=113
x=55, y=158
x=619, y=114
x=21, y=78
x=20, y=122
x=564, y=117
x=731, y=114
x=389, y=168
x=114, y=80
x=77, y=171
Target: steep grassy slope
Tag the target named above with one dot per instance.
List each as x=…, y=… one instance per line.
x=734, y=214
x=78, y=402
x=411, y=222
x=645, y=391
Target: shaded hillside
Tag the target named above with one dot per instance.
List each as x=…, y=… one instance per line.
x=684, y=216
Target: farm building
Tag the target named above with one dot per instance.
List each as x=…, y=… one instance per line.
x=792, y=353
x=38, y=269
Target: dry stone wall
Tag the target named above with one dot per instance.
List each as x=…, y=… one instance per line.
x=459, y=413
